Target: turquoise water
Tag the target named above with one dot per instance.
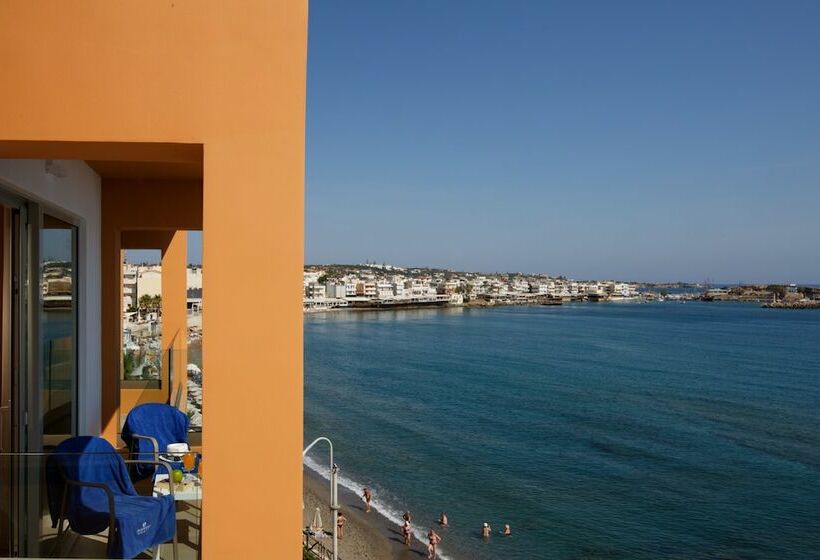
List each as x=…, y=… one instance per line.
x=598, y=431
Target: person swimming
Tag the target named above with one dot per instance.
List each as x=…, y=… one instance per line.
x=442, y=519
x=486, y=531
x=507, y=530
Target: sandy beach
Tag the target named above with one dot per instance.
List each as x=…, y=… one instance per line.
x=368, y=536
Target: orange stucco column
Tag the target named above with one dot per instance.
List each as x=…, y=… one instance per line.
x=174, y=314
x=252, y=357
x=111, y=322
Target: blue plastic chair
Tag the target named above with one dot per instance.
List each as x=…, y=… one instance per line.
x=88, y=485
x=148, y=430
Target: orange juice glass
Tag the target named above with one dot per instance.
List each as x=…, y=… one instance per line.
x=189, y=460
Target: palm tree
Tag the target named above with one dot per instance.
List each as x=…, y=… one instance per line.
x=145, y=302
x=148, y=303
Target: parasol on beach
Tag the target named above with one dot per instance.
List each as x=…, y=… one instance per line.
x=316, y=526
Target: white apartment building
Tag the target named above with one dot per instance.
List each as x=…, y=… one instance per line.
x=624, y=289
x=415, y=287
x=194, y=278
x=149, y=281
x=129, y=285
x=520, y=286
x=542, y=288
x=384, y=290
x=314, y=290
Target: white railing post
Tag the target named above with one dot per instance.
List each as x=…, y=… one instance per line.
x=334, y=504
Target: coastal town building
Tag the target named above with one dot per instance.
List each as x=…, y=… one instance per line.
x=315, y=290
x=336, y=291
x=194, y=277
x=384, y=290
x=390, y=286
x=149, y=281
x=129, y=286
x=366, y=289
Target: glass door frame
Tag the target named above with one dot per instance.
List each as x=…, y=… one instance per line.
x=37, y=439
x=26, y=349
x=38, y=307
x=19, y=501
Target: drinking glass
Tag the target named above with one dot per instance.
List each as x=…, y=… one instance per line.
x=189, y=461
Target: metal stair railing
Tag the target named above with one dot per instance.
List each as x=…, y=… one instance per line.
x=315, y=547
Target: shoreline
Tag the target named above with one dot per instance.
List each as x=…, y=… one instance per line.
x=368, y=536
x=466, y=305
x=799, y=305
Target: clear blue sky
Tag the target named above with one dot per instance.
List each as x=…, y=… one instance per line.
x=635, y=140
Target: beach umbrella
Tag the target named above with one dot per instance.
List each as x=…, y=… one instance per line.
x=316, y=526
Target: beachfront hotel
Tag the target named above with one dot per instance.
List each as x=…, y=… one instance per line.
x=125, y=126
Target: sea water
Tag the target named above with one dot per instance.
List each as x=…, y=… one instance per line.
x=597, y=431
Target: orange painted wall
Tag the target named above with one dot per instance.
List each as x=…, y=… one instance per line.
x=175, y=314
x=231, y=77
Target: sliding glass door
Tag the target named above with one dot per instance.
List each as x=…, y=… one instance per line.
x=58, y=328
x=38, y=361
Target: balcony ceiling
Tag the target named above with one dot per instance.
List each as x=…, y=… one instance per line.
x=118, y=160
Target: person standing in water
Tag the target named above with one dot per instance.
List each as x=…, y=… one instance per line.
x=432, y=541
x=340, y=525
x=405, y=531
x=507, y=530
x=486, y=531
x=442, y=519
x=367, y=496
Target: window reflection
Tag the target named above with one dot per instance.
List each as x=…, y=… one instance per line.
x=58, y=322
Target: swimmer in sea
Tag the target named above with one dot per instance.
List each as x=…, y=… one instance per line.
x=442, y=519
x=507, y=530
x=486, y=531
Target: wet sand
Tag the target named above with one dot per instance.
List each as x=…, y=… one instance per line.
x=368, y=536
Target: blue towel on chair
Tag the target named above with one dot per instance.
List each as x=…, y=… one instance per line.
x=160, y=421
x=141, y=522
